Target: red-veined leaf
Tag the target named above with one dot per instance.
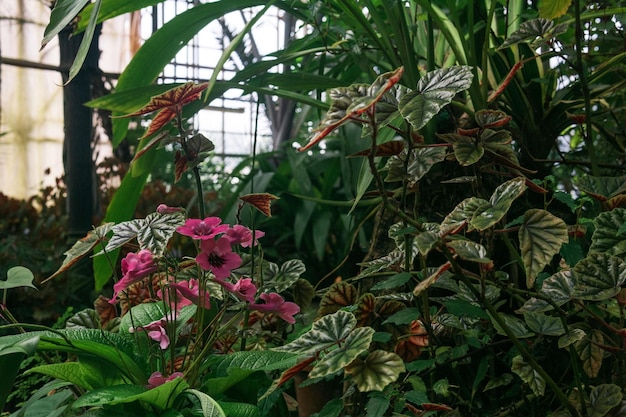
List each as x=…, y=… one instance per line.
x=260, y=201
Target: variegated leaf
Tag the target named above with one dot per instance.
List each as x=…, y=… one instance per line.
x=606, y=236
x=529, y=375
x=590, y=352
x=598, y=277
x=375, y=372
x=357, y=342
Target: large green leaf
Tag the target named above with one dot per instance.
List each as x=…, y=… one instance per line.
x=606, y=236
x=375, y=372
x=88, y=373
x=239, y=409
x=514, y=324
x=499, y=204
x=357, y=342
x=541, y=236
x=599, y=277
x=63, y=13
x=434, y=91
x=467, y=152
x=209, y=407
x=11, y=356
x=590, y=352
x=558, y=288
x=529, y=375
x=551, y=9
x=327, y=331
x=161, y=397
x=604, y=397
x=18, y=276
x=284, y=277
x=542, y=324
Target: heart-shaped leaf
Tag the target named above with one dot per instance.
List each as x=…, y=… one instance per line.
x=500, y=202
x=604, y=397
x=340, y=294
x=284, y=277
x=467, y=152
x=357, y=342
x=590, y=352
x=534, y=31
x=572, y=336
x=421, y=160
x=529, y=375
x=558, y=287
x=18, y=276
x=152, y=233
x=542, y=324
x=541, y=236
x=375, y=372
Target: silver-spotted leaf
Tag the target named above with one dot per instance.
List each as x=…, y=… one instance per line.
x=599, y=277
x=606, y=236
x=542, y=324
x=157, y=231
x=590, y=352
x=375, y=372
x=541, y=236
x=463, y=213
x=434, y=90
x=283, y=277
x=529, y=375
x=327, y=331
x=357, y=342
x=469, y=250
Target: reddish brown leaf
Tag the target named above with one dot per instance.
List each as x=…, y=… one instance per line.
x=407, y=351
x=181, y=166
x=619, y=201
x=436, y=407
x=365, y=309
x=161, y=119
x=153, y=142
x=390, y=148
x=106, y=311
x=294, y=370
x=340, y=294
x=260, y=201
x=468, y=132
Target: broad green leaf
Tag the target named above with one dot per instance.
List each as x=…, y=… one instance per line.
x=606, y=237
x=469, y=251
x=542, y=324
x=18, y=276
x=63, y=13
x=239, y=409
x=602, y=188
x=516, y=326
x=426, y=241
x=534, y=31
x=85, y=43
x=467, y=152
x=590, y=352
x=210, y=407
x=404, y=316
x=332, y=408
x=540, y=236
x=463, y=213
x=392, y=282
x=551, y=9
x=83, y=247
x=85, y=319
x=528, y=375
x=377, y=404
x=499, y=381
x=463, y=308
x=604, y=397
x=11, y=356
x=417, y=397
x=327, y=331
x=598, y=277
x=375, y=372
x=262, y=360
x=284, y=277
x=73, y=372
x=572, y=336
x=421, y=160
x=500, y=202
x=434, y=90
x=357, y=342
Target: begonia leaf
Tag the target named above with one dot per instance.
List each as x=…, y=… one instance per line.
x=606, y=237
x=604, y=397
x=85, y=319
x=529, y=375
x=355, y=343
x=598, y=277
x=467, y=152
x=152, y=233
x=491, y=118
x=514, y=324
x=541, y=236
x=572, y=336
x=500, y=202
x=376, y=371
x=434, y=90
x=83, y=247
x=558, y=288
x=260, y=201
x=366, y=307
x=543, y=324
x=469, y=251
x=325, y=332
x=340, y=294
x=590, y=352
x=283, y=277
x=535, y=32
x=496, y=137
x=18, y=276
x=602, y=188
x=421, y=160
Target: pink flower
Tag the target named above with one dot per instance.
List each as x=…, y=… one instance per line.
x=156, y=331
x=157, y=379
x=241, y=235
x=165, y=209
x=217, y=256
x=274, y=303
x=189, y=292
x=243, y=289
x=202, y=229
x=135, y=267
